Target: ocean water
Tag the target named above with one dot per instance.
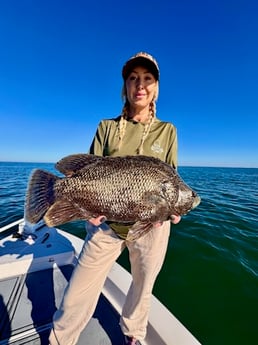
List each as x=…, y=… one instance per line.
x=210, y=276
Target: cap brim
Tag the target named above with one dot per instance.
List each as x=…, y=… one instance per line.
x=143, y=62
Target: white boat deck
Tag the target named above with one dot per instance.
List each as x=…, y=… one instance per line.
x=28, y=302
x=33, y=275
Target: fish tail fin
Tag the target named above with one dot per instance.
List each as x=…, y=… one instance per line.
x=40, y=195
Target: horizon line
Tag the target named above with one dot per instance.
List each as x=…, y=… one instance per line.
x=180, y=165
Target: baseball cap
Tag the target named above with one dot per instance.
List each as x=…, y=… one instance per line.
x=141, y=59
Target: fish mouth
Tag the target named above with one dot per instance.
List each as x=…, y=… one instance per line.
x=196, y=201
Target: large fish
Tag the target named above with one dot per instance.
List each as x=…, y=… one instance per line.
x=138, y=190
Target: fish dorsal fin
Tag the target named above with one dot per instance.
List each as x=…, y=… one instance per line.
x=71, y=164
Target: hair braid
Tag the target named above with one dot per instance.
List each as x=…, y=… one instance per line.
x=123, y=121
x=122, y=124
x=147, y=126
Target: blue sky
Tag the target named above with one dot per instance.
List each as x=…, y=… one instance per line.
x=60, y=74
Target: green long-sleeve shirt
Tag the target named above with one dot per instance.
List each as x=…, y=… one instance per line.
x=161, y=143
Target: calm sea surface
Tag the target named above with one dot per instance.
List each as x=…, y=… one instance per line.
x=210, y=277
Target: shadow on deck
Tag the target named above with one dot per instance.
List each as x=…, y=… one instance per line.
x=28, y=302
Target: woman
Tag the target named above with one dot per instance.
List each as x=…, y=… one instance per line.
x=136, y=131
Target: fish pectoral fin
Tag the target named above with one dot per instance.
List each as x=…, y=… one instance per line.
x=152, y=208
x=71, y=164
x=138, y=230
x=64, y=211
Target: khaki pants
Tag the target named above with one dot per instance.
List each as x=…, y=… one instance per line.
x=100, y=250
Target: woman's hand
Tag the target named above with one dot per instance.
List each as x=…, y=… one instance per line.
x=175, y=219
x=98, y=220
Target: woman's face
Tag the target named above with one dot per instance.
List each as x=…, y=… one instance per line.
x=141, y=87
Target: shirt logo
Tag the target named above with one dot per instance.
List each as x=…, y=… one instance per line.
x=156, y=147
